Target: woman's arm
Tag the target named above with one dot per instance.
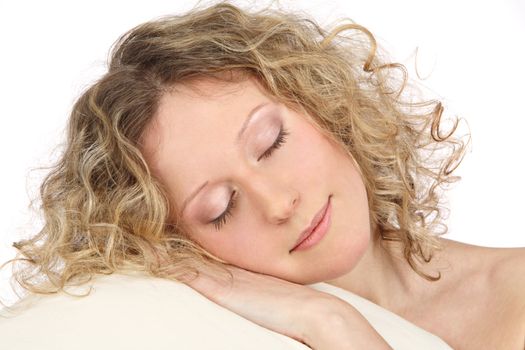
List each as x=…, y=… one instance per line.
x=338, y=325
x=317, y=319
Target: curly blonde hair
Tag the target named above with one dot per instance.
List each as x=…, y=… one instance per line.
x=105, y=212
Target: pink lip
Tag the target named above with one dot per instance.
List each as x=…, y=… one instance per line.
x=317, y=229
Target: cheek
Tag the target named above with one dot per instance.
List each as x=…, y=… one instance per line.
x=312, y=152
x=219, y=245
x=346, y=259
x=352, y=227
x=241, y=245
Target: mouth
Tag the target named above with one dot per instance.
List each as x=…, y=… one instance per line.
x=317, y=229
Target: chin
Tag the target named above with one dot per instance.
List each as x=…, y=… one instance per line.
x=322, y=270
x=340, y=262
x=316, y=276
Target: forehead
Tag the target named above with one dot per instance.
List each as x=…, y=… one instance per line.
x=196, y=125
x=200, y=112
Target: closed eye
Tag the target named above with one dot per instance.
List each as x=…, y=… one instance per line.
x=221, y=220
x=279, y=141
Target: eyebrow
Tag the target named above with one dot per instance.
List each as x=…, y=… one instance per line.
x=237, y=139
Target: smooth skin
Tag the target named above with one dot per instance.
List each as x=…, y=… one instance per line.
x=314, y=318
x=194, y=139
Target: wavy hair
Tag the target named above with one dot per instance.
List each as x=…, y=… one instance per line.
x=104, y=211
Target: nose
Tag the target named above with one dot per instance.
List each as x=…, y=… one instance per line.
x=276, y=197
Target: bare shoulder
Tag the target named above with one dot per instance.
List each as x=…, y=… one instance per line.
x=509, y=272
x=488, y=289
x=511, y=264
x=505, y=266
x=501, y=270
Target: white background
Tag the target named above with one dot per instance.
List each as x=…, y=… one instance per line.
x=474, y=52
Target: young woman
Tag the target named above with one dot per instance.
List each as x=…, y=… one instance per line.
x=264, y=146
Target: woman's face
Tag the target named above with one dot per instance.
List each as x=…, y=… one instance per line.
x=210, y=144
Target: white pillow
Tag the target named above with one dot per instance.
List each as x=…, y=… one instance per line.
x=134, y=311
x=398, y=332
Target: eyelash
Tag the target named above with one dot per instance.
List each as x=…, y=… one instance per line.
x=221, y=220
x=281, y=139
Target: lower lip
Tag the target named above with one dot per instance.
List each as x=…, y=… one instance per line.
x=319, y=232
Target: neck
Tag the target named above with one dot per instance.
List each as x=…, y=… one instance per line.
x=384, y=277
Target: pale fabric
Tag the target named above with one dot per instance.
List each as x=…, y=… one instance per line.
x=133, y=311
x=398, y=332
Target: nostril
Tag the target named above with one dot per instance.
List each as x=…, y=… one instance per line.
x=295, y=201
